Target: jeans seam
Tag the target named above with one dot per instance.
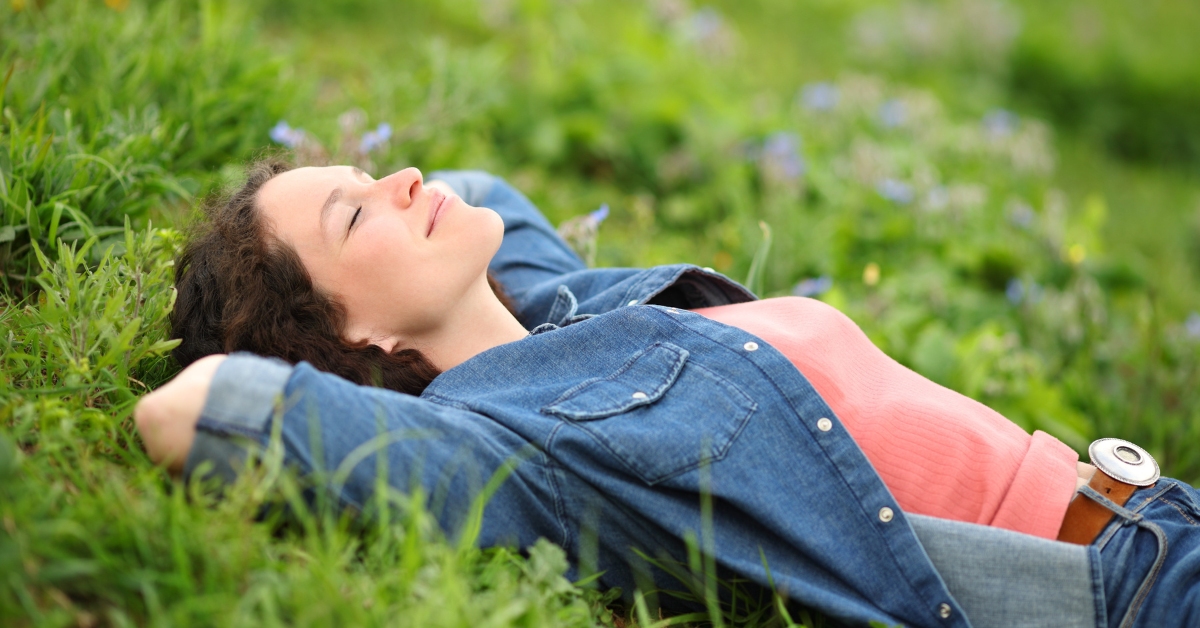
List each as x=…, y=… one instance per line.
x=1098, y=595
x=551, y=471
x=223, y=428
x=1177, y=509
x=1161, y=488
x=1135, y=605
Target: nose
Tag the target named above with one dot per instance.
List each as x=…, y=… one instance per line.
x=403, y=186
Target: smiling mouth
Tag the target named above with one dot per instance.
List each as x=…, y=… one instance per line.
x=437, y=202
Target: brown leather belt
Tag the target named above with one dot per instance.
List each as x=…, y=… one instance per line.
x=1121, y=469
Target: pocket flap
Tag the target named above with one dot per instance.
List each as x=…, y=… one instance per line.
x=641, y=381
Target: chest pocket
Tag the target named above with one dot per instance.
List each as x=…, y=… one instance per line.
x=659, y=415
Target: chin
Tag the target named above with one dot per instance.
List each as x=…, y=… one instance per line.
x=495, y=231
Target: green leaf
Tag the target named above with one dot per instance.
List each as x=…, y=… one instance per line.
x=9, y=457
x=754, y=277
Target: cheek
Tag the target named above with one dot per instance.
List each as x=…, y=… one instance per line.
x=376, y=268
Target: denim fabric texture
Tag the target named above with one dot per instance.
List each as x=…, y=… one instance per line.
x=616, y=421
x=599, y=468
x=246, y=395
x=1150, y=557
x=1004, y=578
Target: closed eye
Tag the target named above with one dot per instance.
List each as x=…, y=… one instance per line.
x=354, y=219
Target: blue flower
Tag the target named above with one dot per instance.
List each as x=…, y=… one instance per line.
x=813, y=286
x=596, y=217
x=1192, y=325
x=1000, y=123
x=1015, y=291
x=284, y=134
x=819, y=96
x=891, y=114
x=705, y=24
x=1021, y=215
x=374, y=139
x=780, y=157
x=895, y=191
x=1018, y=291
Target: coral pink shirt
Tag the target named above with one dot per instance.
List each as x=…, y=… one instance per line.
x=940, y=453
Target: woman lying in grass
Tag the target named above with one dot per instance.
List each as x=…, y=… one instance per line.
x=629, y=410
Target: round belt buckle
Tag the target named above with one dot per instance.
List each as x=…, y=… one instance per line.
x=1123, y=461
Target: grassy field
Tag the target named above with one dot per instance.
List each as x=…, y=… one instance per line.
x=1004, y=195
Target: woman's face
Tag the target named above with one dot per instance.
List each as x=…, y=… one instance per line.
x=399, y=255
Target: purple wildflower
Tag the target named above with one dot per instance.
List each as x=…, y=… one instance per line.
x=891, y=114
x=581, y=232
x=596, y=217
x=813, y=286
x=780, y=158
x=284, y=134
x=705, y=24
x=1192, y=325
x=374, y=139
x=1021, y=215
x=1015, y=291
x=819, y=96
x=708, y=31
x=895, y=191
x=1000, y=123
x=1019, y=291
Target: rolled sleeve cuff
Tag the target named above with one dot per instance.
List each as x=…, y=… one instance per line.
x=237, y=413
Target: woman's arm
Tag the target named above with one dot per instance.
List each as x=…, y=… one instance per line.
x=166, y=418
x=223, y=410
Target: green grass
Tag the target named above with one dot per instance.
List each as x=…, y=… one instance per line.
x=1033, y=267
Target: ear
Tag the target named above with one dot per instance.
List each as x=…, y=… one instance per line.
x=383, y=341
x=387, y=344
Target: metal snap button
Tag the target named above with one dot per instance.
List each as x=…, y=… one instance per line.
x=750, y=346
x=886, y=514
x=639, y=395
x=944, y=610
x=824, y=424
x=633, y=302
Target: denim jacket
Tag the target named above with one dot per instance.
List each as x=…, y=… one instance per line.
x=622, y=425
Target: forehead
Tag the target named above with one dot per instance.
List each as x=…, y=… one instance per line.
x=302, y=189
x=291, y=205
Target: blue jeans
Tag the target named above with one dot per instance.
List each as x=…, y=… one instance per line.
x=1149, y=558
x=1142, y=571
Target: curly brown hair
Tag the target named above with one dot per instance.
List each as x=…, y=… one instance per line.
x=241, y=289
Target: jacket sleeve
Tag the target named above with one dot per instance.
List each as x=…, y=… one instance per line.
x=350, y=441
x=532, y=252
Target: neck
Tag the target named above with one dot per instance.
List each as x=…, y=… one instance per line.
x=481, y=322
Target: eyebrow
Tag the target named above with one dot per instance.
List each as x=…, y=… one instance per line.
x=329, y=203
x=333, y=199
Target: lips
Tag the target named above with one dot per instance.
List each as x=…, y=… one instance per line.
x=437, y=202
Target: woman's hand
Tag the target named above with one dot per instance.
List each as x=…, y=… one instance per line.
x=166, y=418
